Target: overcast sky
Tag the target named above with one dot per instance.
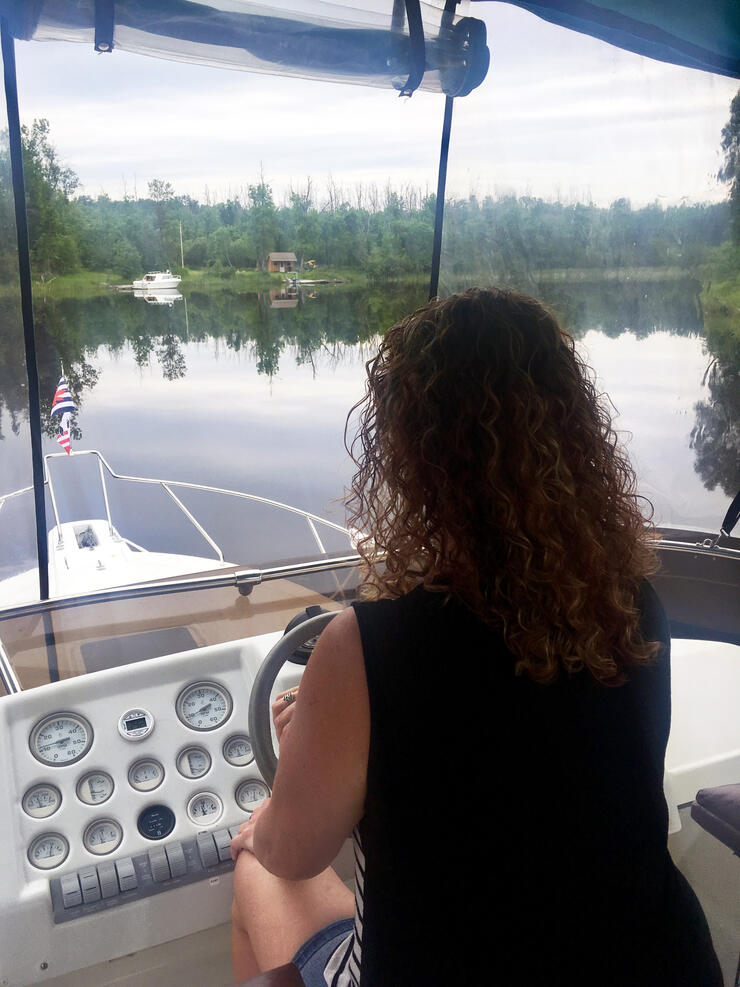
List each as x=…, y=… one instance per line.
x=559, y=115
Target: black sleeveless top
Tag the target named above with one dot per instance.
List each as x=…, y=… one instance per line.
x=514, y=833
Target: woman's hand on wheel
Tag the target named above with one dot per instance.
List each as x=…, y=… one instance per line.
x=283, y=709
x=244, y=839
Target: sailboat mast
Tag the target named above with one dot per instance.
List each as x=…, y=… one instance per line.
x=182, y=256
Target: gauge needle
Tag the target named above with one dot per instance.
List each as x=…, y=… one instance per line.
x=204, y=709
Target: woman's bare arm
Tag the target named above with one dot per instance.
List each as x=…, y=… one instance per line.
x=319, y=789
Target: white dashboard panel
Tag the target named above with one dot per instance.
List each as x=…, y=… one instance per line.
x=33, y=948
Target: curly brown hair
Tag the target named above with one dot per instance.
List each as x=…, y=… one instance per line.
x=488, y=469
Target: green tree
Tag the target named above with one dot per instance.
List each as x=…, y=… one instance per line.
x=262, y=221
x=730, y=170
x=51, y=228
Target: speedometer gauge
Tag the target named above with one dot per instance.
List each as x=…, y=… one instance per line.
x=61, y=738
x=48, y=850
x=204, y=706
x=102, y=836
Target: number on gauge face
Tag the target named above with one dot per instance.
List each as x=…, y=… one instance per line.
x=102, y=836
x=205, y=808
x=95, y=787
x=61, y=738
x=238, y=750
x=194, y=762
x=41, y=801
x=204, y=706
x=48, y=850
x=146, y=774
x=250, y=794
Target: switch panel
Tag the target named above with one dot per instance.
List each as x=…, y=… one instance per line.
x=113, y=883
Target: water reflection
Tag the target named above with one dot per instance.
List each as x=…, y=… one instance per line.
x=715, y=438
x=165, y=297
x=307, y=327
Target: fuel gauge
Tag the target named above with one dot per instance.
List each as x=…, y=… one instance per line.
x=48, y=850
x=102, y=836
x=238, y=750
x=251, y=793
x=205, y=808
x=146, y=774
x=41, y=801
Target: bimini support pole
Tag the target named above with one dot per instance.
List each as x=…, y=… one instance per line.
x=24, y=271
x=440, y=204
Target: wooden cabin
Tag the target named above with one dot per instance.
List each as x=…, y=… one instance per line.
x=281, y=263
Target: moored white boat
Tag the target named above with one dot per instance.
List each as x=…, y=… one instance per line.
x=156, y=281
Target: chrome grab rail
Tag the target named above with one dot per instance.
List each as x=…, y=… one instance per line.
x=311, y=519
x=238, y=578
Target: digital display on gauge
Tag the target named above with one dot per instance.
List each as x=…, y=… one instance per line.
x=156, y=822
x=136, y=724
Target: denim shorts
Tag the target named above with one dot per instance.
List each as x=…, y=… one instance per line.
x=314, y=954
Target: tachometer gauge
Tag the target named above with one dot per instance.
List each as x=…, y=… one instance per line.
x=145, y=775
x=204, y=706
x=48, y=850
x=41, y=801
x=95, y=787
x=102, y=836
x=194, y=762
x=238, y=750
x=251, y=793
x=61, y=738
x=205, y=808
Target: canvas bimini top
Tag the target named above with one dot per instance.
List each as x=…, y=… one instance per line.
x=403, y=44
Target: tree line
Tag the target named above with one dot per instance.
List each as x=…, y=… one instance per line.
x=384, y=233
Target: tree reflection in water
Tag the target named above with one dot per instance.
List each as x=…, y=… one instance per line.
x=333, y=318
x=715, y=438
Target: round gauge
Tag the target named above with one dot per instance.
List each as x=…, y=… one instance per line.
x=205, y=808
x=61, y=738
x=194, y=762
x=94, y=788
x=145, y=775
x=251, y=793
x=238, y=750
x=102, y=836
x=136, y=724
x=48, y=850
x=41, y=801
x=156, y=822
x=204, y=706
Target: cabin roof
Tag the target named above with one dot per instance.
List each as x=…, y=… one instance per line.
x=282, y=256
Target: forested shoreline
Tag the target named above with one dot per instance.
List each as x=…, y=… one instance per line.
x=384, y=234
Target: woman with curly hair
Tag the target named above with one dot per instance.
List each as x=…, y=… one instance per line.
x=490, y=722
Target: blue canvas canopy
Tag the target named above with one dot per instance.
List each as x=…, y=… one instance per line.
x=697, y=35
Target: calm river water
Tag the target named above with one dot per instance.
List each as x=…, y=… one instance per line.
x=251, y=393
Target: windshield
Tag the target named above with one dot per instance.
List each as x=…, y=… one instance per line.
x=216, y=259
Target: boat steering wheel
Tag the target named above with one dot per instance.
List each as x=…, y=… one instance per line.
x=260, y=719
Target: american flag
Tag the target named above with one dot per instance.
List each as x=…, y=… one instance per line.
x=62, y=407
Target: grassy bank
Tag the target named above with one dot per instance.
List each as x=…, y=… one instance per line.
x=89, y=284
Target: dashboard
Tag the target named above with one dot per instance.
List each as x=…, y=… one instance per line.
x=123, y=785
